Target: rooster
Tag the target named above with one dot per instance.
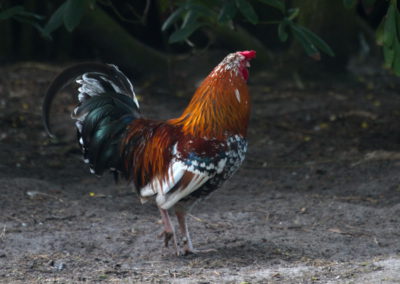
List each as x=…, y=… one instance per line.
x=174, y=162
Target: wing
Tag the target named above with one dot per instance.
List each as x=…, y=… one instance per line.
x=184, y=176
x=180, y=182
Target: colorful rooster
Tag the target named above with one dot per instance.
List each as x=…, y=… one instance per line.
x=175, y=162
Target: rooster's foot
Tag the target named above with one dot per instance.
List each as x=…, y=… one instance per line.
x=167, y=237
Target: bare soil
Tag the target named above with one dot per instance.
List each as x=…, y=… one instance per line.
x=317, y=200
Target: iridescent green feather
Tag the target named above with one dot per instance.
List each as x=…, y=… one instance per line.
x=107, y=117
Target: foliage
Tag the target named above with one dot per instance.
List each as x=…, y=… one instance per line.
x=185, y=17
x=387, y=35
x=20, y=14
x=191, y=15
x=69, y=13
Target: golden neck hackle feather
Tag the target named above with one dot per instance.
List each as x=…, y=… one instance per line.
x=219, y=108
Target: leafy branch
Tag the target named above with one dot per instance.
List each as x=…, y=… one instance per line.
x=190, y=15
x=69, y=14
x=388, y=36
x=19, y=14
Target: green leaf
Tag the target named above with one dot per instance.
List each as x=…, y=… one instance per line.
x=182, y=34
x=228, y=11
x=379, y=33
x=31, y=15
x=317, y=41
x=388, y=55
x=11, y=12
x=396, y=59
x=56, y=20
x=293, y=13
x=30, y=22
x=247, y=11
x=278, y=4
x=200, y=8
x=16, y=11
x=389, y=33
x=349, y=3
x=308, y=46
x=283, y=35
x=189, y=18
x=73, y=13
x=397, y=20
x=172, y=18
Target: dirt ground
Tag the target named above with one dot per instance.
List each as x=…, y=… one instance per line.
x=317, y=200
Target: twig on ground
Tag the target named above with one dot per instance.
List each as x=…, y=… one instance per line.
x=378, y=155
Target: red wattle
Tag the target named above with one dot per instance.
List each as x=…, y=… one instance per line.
x=245, y=73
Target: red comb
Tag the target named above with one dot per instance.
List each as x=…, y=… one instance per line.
x=249, y=54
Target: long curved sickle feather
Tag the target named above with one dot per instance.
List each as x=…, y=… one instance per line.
x=66, y=77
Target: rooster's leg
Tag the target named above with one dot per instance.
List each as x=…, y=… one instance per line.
x=169, y=232
x=187, y=242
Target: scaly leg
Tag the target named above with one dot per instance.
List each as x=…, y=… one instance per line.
x=187, y=242
x=169, y=232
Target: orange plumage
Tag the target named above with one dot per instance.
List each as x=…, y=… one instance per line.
x=151, y=155
x=215, y=108
x=174, y=162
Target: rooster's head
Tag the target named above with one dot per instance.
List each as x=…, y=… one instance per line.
x=236, y=63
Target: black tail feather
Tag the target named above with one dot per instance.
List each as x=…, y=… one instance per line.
x=107, y=105
x=72, y=73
